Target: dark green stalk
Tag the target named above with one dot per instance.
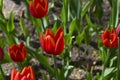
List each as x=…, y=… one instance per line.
x=43, y=27
x=55, y=68
x=118, y=62
x=105, y=63
x=20, y=65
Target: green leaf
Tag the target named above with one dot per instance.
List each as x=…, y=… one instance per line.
x=2, y=43
x=68, y=39
x=80, y=37
x=10, y=24
x=99, y=9
x=42, y=59
x=56, y=25
x=93, y=26
x=73, y=25
x=22, y=26
x=6, y=59
x=109, y=71
x=1, y=76
x=86, y=7
x=87, y=35
x=75, y=8
x=64, y=13
x=114, y=14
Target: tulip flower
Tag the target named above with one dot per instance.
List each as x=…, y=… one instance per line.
x=118, y=30
x=26, y=74
x=17, y=52
x=109, y=38
x=1, y=54
x=38, y=8
x=52, y=44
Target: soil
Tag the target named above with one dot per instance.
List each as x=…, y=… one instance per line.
x=89, y=59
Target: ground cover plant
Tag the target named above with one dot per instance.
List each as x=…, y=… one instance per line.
x=59, y=39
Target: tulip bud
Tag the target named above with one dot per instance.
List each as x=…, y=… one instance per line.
x=109, y=38
x=118, y=30
x=38, y=8
x=17, y=52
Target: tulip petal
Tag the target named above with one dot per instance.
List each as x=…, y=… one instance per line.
x=24, y=78
x=57, y=35
x=114, y=40
x=32, y=10
x=24, y=71
x=49, y=32
x=13, y=73
x=42, y=44
x=59, y=44
x=18, y=76
x=31, y=73
x=118, y=30
x=106, y=34
x=106, y=42
x=49, y=44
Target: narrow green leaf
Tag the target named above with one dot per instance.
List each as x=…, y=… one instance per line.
x=64, y=13
x=80, y=37
x=115, y=14
x=85, y=8
x=73, y=25
x=42, y=59
x=22, y=26
x=10, y=24
x=2, y=43
x=93, y=26
x=6, y=59
x=109, y=71
x=87, y=35
x=56, y=25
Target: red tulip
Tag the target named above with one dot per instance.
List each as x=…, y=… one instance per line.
x=26, y=74
x=109, y=38
x=38, y=8
x=17, y=52
x=52, y=44
x=1, y=54
x=118, y=30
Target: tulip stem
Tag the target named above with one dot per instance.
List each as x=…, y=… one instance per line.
x=2, y=72
x=118, y=62
x=43, y=27
x=20, y=65
x=105, y=63
x=55, y=68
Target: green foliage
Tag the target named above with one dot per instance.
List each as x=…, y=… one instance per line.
x=10, y=23
x=81, y=21
x=22, y=26
x=86, y=7
x=114, y=13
